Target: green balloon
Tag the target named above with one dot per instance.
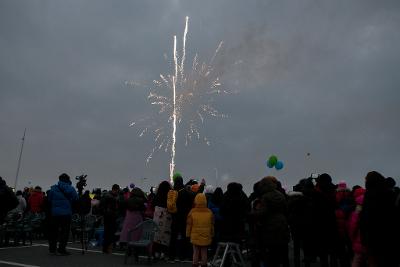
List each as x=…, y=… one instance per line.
x=177, y=174
x=272, y=160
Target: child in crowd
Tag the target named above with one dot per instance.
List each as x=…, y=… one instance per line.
x=200, y=229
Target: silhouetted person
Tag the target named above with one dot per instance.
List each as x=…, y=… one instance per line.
x=274, y=229
x=8, y=200
x=324, y=204
x=163, y=219
x=180, y=244
x=378, y=222
x=234, y=209
x=109, y=209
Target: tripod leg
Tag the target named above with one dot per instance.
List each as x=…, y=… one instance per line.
x=82, y=234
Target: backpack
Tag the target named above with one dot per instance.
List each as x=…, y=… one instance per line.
x=171, y=201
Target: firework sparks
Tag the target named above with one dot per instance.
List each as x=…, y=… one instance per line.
x=186, y=98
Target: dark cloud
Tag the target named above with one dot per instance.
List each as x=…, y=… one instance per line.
x=316, y=77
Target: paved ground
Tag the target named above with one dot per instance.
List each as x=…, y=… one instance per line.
x=37, y=255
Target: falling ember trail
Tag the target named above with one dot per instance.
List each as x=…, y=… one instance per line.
x=174, y=80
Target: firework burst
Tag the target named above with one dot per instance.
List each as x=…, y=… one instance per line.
x=186, y=98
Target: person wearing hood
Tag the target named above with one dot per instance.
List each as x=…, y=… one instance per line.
x=61, y=197
x=274, y=228
x=200, y=229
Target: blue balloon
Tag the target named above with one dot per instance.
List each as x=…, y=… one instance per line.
x=279, y=165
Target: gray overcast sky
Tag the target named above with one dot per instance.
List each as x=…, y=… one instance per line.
x=311, y=76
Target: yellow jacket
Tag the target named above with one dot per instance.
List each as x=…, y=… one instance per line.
x=200, y=222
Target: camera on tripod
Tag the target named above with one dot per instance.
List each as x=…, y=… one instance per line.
x=81, y=183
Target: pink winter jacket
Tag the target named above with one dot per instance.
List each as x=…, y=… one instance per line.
x=354, y=227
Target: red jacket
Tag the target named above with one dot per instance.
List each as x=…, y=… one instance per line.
x=35, y=201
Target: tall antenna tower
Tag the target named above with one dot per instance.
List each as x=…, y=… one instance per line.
x=19, y=160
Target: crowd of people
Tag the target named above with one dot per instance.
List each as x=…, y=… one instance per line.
x=330, y=224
